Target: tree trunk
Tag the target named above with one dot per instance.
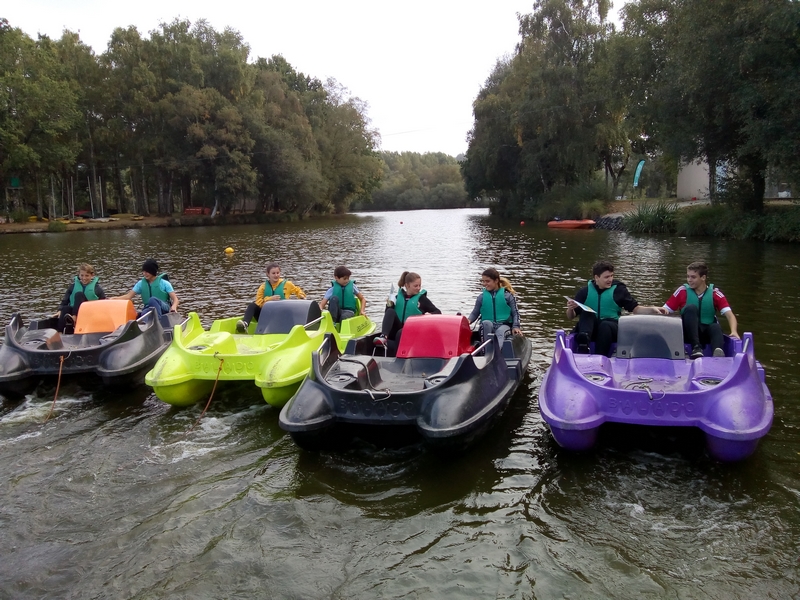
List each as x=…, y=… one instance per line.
x=170, y=205
x=39, y=212
x=120, y=186
x=161, y=203
x=93, y=182
x=52, y=198
x=712, y=180
x=186, y=196
x=145, y=201
x=756, y=172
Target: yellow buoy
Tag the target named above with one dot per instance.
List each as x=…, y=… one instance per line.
x=228, y=250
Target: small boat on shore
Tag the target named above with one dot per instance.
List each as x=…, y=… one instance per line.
x=571, y=224
x=651, y=381
x=275, y=354
x=439, y=388
x=109, y=343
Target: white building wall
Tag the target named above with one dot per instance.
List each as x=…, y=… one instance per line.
x=693, y=181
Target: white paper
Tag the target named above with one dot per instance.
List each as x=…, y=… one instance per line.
x=583, y=306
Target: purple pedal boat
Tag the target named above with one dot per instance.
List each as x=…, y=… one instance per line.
x=649, y=380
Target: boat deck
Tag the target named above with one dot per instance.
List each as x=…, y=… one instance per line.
x=355, y=372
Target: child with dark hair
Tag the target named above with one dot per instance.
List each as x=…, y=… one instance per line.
x=409, y=300
x=698, y=302
x=606, y=297
x=156, y=291
x=343, y=297
x=496, y=306
x=274, y=288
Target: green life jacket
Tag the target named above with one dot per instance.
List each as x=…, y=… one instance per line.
x=88, y=291
x=603, y=303
x=705, y=304
x=347, y=298
x=278, y=291
x=406, y=308
x=494, y=307
x=154, y=289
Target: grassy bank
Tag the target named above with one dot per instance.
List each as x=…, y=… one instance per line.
x=778, y=223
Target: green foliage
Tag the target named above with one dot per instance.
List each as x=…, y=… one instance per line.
x=683, y=79
x=658, y=217
x=413, y=181
x=56, y=227
x=184, y=114
x=777, y=224
x=587, y=200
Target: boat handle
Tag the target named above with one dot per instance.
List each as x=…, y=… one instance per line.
x=563, y=342
x=479, y=348
x=313, y=322
x=746, y=344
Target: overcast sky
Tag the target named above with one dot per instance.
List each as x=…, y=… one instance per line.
x=418, y=64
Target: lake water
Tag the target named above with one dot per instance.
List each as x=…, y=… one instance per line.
x=118, y=496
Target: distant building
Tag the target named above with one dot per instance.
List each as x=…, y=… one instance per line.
x=693, y=180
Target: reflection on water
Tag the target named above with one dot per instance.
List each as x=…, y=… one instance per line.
x=120, y=495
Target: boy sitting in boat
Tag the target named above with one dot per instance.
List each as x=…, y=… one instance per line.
x=274, y=288
x=496, y=305
x=340, y=298
x=606, y=297
x=156, y=291
x=83, y=288
x=698, y=302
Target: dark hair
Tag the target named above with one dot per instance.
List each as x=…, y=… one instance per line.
x=494, y=275
x=601, y=266
x=698, y=267
x=407, y=277
x=150, y=266
x=272, y=265
x=491, y=273
x=341, y=271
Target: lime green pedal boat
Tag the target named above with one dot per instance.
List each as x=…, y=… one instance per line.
x=275, y=353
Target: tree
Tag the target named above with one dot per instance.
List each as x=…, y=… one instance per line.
x=37, y=109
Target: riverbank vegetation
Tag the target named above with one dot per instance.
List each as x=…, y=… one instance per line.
x=181, y=118
x=777, y=223
x=412, y=181
x=580, y=103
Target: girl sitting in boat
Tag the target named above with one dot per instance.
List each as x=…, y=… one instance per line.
x=409, y=300
x=274, y=288
x=496, y=305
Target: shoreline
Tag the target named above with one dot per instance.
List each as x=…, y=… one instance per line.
x=135, y=222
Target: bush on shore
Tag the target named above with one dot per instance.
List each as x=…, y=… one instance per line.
x=585, y=201
x=658, y=217
x=776, y=224
x=56, y=227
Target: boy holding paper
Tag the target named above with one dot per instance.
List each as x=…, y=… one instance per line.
x=607, y=297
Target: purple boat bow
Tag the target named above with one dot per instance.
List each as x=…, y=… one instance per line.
x=650, y=381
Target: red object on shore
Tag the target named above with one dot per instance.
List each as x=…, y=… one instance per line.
x=571, y=224
x=197, y=210
x=522, y=223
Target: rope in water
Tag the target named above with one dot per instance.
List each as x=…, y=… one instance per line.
x=213, y=389
x=58, y=385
